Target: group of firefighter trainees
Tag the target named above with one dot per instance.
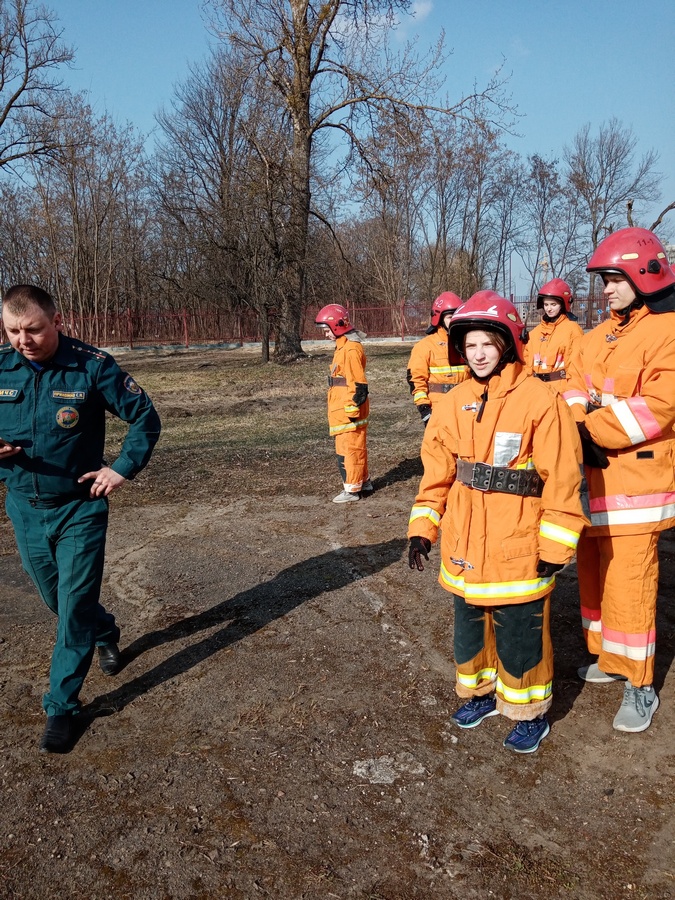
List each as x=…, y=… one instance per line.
x=507, y=424
x=537, y=447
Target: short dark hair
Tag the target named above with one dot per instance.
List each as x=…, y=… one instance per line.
x=19, y=298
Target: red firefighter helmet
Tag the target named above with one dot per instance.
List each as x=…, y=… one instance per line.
x=555, y=290
x=336, y=317
x=487, y=311
x=639, y=256
x=445, y=302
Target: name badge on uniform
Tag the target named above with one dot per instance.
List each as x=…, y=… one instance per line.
x=69, y=395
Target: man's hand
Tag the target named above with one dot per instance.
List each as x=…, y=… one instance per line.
x=7, y=449
x=106, y=480
x=546, y=569
x=419, y=547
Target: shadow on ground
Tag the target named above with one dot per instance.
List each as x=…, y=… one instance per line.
x=245, y=613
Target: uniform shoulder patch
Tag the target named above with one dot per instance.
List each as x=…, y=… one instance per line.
x=132, y=386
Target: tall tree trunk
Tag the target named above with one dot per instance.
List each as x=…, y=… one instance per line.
x=288, y=344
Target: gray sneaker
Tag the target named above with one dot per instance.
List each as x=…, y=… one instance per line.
x=637, y=708
x=595, y=675
x=346, y=497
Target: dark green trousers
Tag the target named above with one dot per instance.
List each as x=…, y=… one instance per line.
x=62, y=548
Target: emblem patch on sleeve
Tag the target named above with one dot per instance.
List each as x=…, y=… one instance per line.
x=131, y=385
x=67, y=417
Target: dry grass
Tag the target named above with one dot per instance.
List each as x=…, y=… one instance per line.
x=227, y=415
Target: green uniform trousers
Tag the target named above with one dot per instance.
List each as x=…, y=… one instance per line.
x=62, y=548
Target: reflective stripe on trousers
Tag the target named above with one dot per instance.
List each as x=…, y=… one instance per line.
x=507, y=650
x=618, y=583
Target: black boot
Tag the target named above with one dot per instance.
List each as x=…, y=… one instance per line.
x=109, y=658
x=58, y=735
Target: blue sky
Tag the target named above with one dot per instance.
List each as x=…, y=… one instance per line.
x=569, y=62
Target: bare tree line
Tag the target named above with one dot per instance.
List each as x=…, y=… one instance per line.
x=303, y=162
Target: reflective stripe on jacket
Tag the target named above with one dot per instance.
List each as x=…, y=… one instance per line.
x=429, y=362
x=349, y=362
x=622, y=385
x=491, y=542
x=550, y=348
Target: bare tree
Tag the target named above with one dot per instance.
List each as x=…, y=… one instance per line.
x=88, y=193
x=329, y=63
x=655, y=224
x=486, y=183
x=31, y=94
x=553, y=224
x=221, y=178
x=604, y=174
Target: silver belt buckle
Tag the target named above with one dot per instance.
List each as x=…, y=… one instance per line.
x=484, y=470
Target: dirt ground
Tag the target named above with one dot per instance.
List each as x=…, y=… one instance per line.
x=281, y=727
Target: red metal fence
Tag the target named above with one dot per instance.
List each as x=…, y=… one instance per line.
x=209, y=327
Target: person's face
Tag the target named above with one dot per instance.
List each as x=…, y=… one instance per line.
x=481, y=353
x=618, y=292
x=327, y=333
x=446, y=318
x=34, y=333
x=551, y=308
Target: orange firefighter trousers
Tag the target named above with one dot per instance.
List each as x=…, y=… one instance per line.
x=618, y=584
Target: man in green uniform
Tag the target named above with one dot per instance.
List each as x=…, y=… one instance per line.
x=54, y=394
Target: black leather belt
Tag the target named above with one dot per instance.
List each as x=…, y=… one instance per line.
x=436, y=388
x=551, y=376
x=337, y=381
x=482, y=477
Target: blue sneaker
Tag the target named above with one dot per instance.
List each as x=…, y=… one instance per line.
x=474, y=711
x=526, y=736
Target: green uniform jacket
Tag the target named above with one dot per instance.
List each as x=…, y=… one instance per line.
x=57, y=416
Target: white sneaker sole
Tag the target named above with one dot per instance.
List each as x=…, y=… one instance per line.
x=644, y=726
x=529, y=749
x=494, y=712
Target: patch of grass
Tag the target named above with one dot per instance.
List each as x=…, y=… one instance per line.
x=228, y=416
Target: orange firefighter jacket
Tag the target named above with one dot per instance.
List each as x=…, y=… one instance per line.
x=550, y=347
x=348, y=404
x=429, y=364
x=491, y=542
x=622, y=385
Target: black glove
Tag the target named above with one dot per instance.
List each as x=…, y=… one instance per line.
x=424, y=411
x=546, y=569
x=593, y=453
x=419, y=547
x=360, y=395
